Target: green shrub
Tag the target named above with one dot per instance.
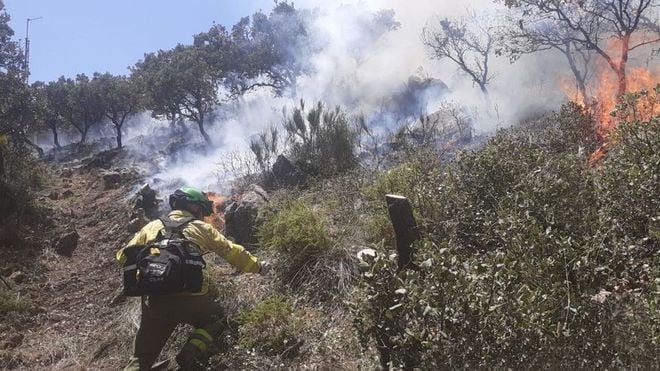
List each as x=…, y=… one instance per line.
x=629, y=184
x=295, y=230
x=322, y=141
x=11, y=304
x=20, y=176
x=532, y=257
x=271, y=328
x=308, y=258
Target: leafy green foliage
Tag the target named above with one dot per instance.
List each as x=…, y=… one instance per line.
x=121, y=100
x=10, y=304
x=322, y=141
x=530, y=257
x=629, y=186
x=271, y=328
x=308, y=259
x=79, y=102
x=265, y=148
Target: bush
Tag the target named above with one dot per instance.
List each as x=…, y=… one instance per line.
x=629, y=184
x=20, y=176
x=531, y=258
x=10, y=304
x=308, y=258
x=322, y=141
x=271, y=328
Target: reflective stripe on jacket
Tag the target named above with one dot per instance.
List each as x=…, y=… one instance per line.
x=203, y=235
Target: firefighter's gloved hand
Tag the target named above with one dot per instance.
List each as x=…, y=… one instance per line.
x=264, y=267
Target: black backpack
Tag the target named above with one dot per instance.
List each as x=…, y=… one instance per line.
x=169, y=264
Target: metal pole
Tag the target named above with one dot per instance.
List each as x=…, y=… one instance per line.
x=27, y=47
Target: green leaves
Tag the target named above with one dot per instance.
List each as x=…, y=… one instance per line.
x=532, y=258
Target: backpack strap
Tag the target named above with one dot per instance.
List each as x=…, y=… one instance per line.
x=174, y=227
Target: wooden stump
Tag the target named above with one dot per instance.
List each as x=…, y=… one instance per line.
x=405, y=228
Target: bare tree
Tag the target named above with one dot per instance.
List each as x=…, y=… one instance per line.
x=527, y=36
x=468, y=45
x=632, y=23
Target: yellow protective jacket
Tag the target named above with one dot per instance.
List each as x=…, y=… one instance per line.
x=203, y=235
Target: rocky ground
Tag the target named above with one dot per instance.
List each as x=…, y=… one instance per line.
x=71, y=279
x=61, y=270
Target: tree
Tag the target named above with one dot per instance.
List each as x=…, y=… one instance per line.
x=468, y=45
x=16, y=103
x=17, y=116
x=158, y=82
x=14, y=93
x=532, y=37
x=120, y=98
x=79, y=102
x=269, y=50
x=11, y=59
x=45, y=110
x=199, y=85
x=595, y=23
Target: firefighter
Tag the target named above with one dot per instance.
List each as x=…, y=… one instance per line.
x=161, y=314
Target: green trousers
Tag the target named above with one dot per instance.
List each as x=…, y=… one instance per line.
x=161, y=315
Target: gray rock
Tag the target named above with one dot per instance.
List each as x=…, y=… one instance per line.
x=287, y=174
x=103, y=159
x=241, y=217
x=68, y=193
x=66, y=173
x=111, y=180
x=147, y=200
x=67, y=243
x=53, y=195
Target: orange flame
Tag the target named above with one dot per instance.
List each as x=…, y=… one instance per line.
x=216, y=218
x=604, y=94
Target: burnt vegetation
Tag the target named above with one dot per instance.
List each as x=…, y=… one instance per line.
x=532, y=252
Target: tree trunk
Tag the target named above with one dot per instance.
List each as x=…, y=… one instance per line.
x=118, y=128
x=173, y=124
x=56, y=140
x=577, y=74
x=36, y=147
x=621, y=70
x=2, y=163
x=83, y=135
x=582, y=88
x=405, y=228
x=200, y=123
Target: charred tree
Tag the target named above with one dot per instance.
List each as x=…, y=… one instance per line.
x=467, y=44
x=405, y=228
x=594, y=23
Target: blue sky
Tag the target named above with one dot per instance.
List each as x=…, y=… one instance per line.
x=87, y=36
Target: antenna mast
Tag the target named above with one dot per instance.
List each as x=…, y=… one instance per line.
x=27, y=48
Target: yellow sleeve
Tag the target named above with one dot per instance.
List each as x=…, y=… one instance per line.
x=234, y=254
x=140, y=238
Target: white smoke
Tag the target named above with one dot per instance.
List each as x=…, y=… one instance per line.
x=359, y=72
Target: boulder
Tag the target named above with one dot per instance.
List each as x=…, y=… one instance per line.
x=53, y=195
x=147, y=200
x=241, y=216
x=66, y=173
x=67, y=243
x=68, y=193
x=137, y=221
x=287, y=174
x=102, y=159
x=111, y=180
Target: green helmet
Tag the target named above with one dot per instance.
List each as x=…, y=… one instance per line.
x=191, y=195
